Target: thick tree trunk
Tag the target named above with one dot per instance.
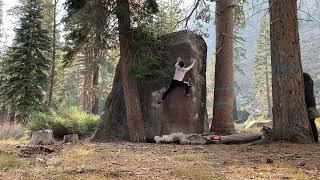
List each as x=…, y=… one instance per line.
x=224, y=84
x=95, y=83
x=130, y=90
x=53, y=62
x=290, y=120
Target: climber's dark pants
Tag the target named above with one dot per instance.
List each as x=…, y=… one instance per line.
x=314, y=129
x=174, y=84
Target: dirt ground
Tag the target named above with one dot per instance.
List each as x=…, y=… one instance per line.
x=153, y=161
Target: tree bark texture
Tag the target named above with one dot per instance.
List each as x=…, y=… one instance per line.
x=95, y=83
x=130, y=90
x=224, y=84
x=290, y=120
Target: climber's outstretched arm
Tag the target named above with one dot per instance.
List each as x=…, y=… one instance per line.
x=191, y=66
x=177, y=64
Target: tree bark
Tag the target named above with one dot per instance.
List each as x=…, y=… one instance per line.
x=235, y=110
x=53, y=62
x=224, y=83
x=290, y=120
x=130, y=90
x=269, y=114
x=95, y=83
x=86, y=106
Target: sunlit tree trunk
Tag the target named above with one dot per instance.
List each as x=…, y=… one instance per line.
x=224, y=83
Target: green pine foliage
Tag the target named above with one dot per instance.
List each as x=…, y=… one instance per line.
x=24, y=71
x=262, y=67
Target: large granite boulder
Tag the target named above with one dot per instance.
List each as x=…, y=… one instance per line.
x=178, y=113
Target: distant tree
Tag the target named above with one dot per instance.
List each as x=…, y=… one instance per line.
x=54, y=52
x=170, y=12
x=26, y=65
x=262, y=68
x=290, y=119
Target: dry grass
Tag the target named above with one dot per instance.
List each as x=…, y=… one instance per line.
x=8, y=131
x=9, y=161
x=189, y=157
x=196, y=173
x=153, y=161
x=80, y=177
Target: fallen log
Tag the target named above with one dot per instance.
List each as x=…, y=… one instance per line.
x=242, y=138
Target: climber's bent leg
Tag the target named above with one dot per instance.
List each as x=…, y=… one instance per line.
x=173, y=84
x=187, y=86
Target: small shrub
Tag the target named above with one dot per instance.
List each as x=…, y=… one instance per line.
x=9, y=161
x=64, y=121
x=11, y=131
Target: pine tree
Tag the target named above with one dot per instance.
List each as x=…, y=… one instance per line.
x=26, y=65
x=262, y=68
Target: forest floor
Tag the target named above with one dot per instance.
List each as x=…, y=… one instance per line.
x=125, y=160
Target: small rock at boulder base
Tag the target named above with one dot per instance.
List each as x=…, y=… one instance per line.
x=269, y=161
x=301, y=163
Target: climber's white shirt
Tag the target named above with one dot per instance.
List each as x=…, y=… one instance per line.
x=181, y=72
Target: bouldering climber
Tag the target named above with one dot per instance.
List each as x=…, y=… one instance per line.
x=311, y=104
x=177, y=80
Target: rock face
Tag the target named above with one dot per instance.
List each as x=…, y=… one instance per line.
x=178, y=113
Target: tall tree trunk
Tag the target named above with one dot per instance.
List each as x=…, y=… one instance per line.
x=130, y=90
x=290, y=120
x=268, y=90
x=95, y=83
x=53, y=61
x=224, y=84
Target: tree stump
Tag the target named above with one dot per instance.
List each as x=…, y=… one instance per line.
x=73, y=138
x=42, y=137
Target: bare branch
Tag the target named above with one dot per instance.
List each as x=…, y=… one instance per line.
x=309, y=15
x=186, y=19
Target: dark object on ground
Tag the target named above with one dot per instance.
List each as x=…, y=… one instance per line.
x=178, y=113
x=29, y=150
x=311, y=104
x=42, y=137
x=314, y=130
x=73, y=138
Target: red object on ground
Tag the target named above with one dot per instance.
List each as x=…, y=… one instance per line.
x=215, y=138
